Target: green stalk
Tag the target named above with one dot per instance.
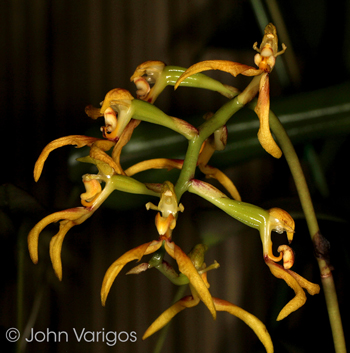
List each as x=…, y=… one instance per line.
x=219, y=119
x=320, y=244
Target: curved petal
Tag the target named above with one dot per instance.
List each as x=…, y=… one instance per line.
x=214, y=173
x=223, y=65
x=56, y=247
x=163, y=319
x=133, y=254
x=262, y=109
x=300, y=297
x=252, y=321
x=123, y=140
x=312, y=288
x=78, y=140
x=116, y=94
x=157, y=163
x=98, y=153
x=187, y=268
x=73, y=214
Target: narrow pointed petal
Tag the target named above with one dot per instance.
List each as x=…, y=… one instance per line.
x=312, y=288
x=124, y=139
x=300, y=297
x=214, y=173
x=253, y=322
x=56, y=247
x=223, y=65
x=157, y=163
x=78, y=140
x=163, y=319
x=70, y=214
x=97, y=153
x=113, y=271
x=187, y=268
x=262, y=109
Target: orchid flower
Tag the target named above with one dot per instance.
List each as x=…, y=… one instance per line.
x=151, y=77
x=119, y=108
x=183, y=261
x=91, y=200
x=265, y=221
x=265, y=60
x=165, y=223
x=197, y=258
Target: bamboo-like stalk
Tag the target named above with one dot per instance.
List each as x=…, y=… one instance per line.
x=320, y=244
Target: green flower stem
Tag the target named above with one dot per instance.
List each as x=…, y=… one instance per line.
x=130, y=185
x=306, y=202
x=219, y=119
x=251, y=215
x=167, y=270
x=148, y=112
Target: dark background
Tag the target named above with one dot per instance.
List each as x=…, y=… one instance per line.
x=59, y=56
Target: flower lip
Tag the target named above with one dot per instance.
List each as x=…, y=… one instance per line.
x=143, y=87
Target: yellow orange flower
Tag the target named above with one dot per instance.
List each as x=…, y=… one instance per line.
x=265, y=60
x=184, y=263
x=117, y=111
x=197, y=257
x=265, y=221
